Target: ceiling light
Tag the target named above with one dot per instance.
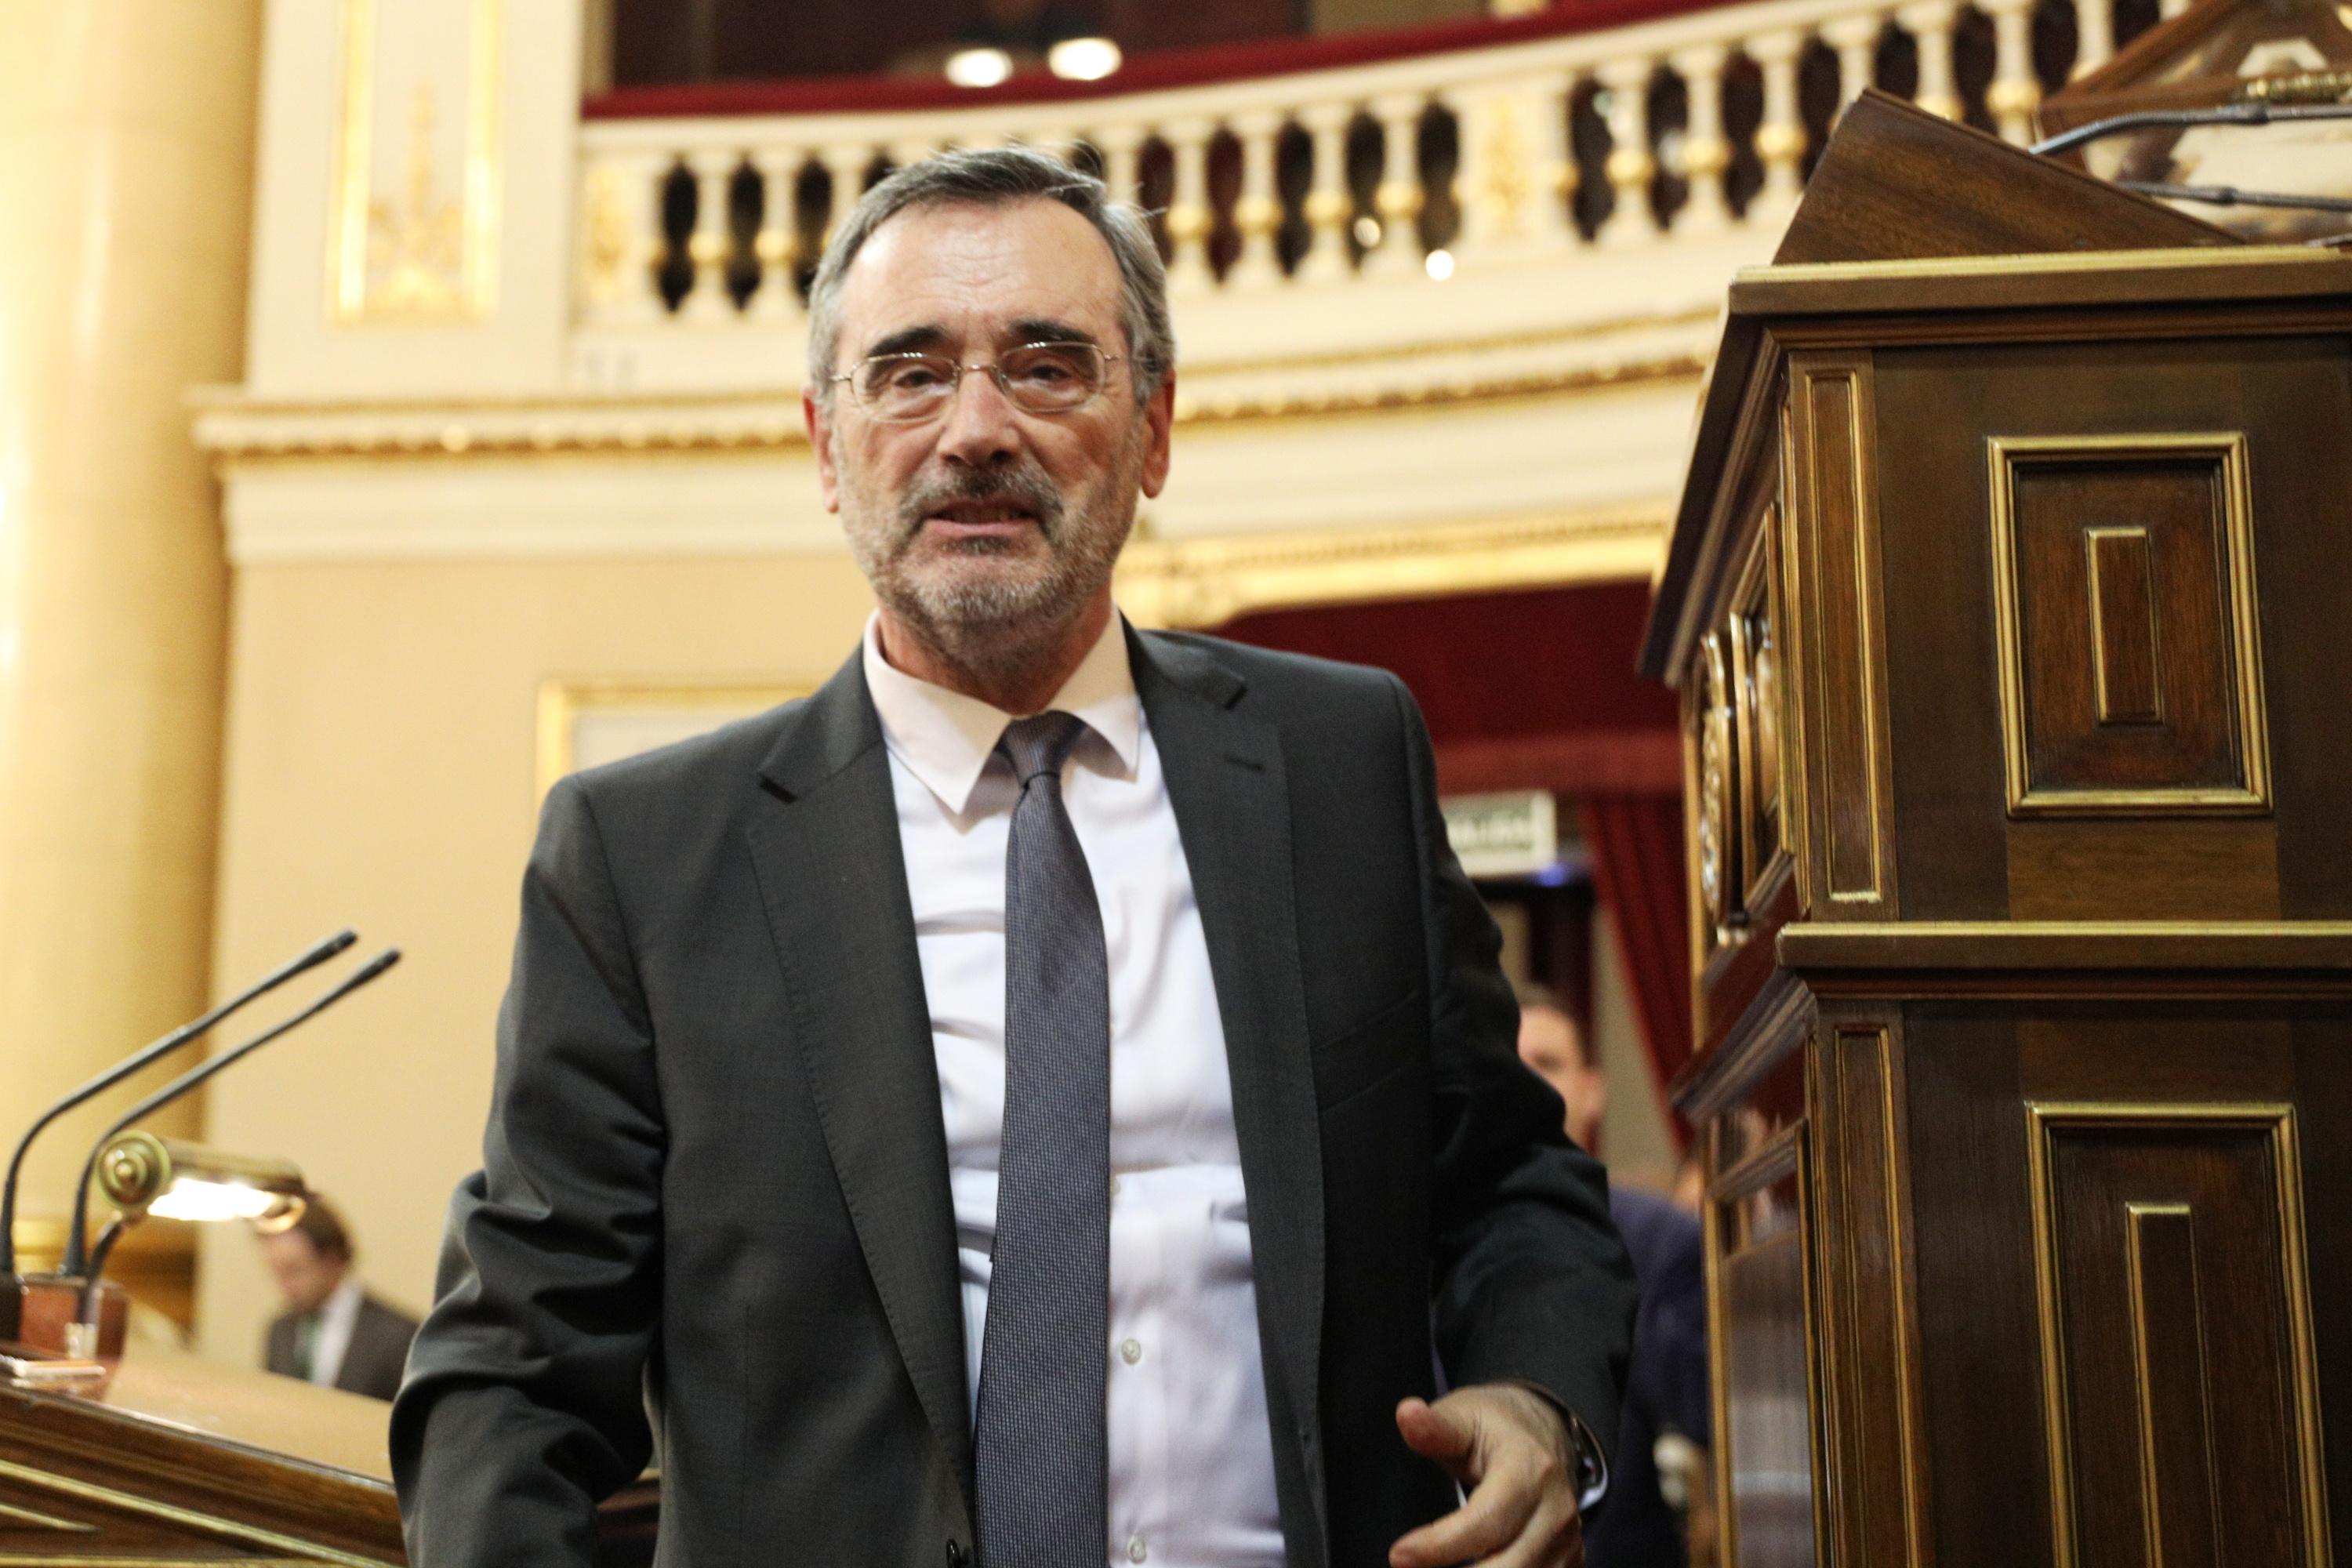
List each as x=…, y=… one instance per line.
x=1083, y=59
x=978, y=68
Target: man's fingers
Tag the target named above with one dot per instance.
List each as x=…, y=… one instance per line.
x=1552, y=1538
x=1436, y=1433
x=1491, y=1520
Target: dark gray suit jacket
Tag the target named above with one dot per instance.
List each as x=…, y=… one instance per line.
x=715, y=1179
x=371, y=1362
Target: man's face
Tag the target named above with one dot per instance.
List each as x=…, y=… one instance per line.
x=985, y=515
x=1551, y=1045
x=306, y=1277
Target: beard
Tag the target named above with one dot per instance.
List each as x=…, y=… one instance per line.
x=989, y=605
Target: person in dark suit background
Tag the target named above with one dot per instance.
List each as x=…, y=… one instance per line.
x=1050, y=1094
x=333, y=1332
x=1667, y=1389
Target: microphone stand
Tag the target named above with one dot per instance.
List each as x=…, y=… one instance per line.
x=76, y=1262
x=133, y=1063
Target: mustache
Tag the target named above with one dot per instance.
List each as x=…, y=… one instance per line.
x=1025, y=487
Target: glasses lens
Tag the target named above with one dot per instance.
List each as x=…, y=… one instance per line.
x=903, y=387
x=1050, y=378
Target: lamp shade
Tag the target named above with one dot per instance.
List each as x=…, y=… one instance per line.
x=143, y=1174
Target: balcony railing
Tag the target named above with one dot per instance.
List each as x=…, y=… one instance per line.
x=1607, y=128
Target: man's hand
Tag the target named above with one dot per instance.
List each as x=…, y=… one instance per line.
x=1511, y=1449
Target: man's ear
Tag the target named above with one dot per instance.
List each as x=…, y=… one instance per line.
x=1159, y=418
x=819, y=435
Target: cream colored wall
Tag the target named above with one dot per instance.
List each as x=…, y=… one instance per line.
x=379, y=773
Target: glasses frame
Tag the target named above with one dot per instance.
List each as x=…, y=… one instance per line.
x=996, y=369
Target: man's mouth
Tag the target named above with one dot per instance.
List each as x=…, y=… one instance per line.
x=981, y=516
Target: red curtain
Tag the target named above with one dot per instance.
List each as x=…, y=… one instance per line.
x=1636, y=843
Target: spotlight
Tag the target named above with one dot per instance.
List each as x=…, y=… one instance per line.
x=978, y=68
x=1083, y=59
x=1440, y=264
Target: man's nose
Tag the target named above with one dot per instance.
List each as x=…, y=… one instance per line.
x=982, y=428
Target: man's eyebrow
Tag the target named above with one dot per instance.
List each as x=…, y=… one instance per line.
x=1038, y=329
x=908, y=340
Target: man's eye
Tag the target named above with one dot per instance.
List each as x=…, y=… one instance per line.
x=913, y=378
x=1047, y=372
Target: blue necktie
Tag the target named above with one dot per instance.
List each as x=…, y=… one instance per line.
x=1039, y=1439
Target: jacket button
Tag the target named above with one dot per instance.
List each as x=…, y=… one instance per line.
x=956, y=1558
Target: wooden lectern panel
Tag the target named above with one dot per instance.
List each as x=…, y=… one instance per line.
x=2007, y=598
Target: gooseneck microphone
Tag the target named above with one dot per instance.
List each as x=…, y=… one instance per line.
x=138, y=1059
x=75, y=1246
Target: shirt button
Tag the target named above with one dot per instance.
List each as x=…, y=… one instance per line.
x=1114, y=1186
x=1135, y=1551
x=1131, y=1351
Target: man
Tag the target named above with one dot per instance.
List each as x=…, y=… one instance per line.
x=1054, y=1138
x=1669, y=1388
x=333, y=1332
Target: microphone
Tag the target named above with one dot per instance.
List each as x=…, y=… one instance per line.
x=74, y=1258
x=2252, y=111
x=2237, y=197
x=138, y=1059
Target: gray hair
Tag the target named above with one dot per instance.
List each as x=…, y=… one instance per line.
x=990, y=177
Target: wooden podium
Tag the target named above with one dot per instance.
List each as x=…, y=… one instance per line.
x=2009, y=597
x=174, y=1461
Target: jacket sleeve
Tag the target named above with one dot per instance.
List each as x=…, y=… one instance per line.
x=1531, y=1282
x=523, y=1404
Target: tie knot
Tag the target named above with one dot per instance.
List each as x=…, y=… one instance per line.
x=1041, y=744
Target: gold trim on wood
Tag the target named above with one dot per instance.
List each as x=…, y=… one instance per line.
x=2172, y=259
x=560, y=703
x=2043, y=1118
x=1785, y=1154
x=1759, y=682
x=1868, y=886
x=2227, y=449
x=298, y=1550
x=2136, y=1216
x=2109, y=710
x=364, y=228
x=1879, y=1103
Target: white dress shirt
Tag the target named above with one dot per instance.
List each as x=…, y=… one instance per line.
x=338, y=1314
x=1191, y=1456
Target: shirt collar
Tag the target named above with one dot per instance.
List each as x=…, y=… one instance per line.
x=343, y=1300
x=946, y=738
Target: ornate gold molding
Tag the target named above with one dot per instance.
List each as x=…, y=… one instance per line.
x=1207, y=582
x=240, y=434
x=416, y=255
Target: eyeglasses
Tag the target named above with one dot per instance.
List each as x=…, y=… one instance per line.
x=1036, y=378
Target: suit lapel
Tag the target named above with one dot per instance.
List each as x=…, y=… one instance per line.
x=1225, y=780
x=834, y=882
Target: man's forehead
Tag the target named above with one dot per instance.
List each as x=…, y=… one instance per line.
x=968, y=269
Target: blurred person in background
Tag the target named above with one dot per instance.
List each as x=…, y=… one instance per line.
x=1667, y=1393
x=333, y=1332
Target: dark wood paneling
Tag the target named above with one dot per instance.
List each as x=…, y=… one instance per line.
x=2174, y=1287
x=2103, y=552
x=1980, y=1336
x=1833, y=508
x=1765, y=1445
x=1937, y=406
x=1866, y=1290
x=2301, y=481
x=2127, y=663
x=1943, y=701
